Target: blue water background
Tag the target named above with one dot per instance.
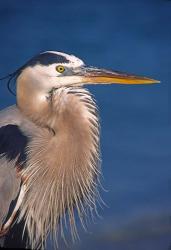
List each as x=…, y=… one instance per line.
x=132, y=36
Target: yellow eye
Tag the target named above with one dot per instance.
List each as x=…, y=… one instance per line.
x=60, y=68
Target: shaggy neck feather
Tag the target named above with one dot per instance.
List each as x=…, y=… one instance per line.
x=69, y=158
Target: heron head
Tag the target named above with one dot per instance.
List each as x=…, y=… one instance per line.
x=53, y=69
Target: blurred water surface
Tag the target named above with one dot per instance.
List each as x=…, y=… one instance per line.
x=126, y=35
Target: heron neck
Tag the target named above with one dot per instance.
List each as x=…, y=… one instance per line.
x=73, y=109
x=63, y=168
x=32, y=101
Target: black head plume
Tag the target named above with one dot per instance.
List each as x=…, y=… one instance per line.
x=11, y=79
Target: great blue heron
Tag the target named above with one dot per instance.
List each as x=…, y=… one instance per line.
x=49, y=144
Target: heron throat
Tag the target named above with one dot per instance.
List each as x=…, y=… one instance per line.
x=63, y=167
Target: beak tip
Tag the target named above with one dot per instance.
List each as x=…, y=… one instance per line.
x=155, y=81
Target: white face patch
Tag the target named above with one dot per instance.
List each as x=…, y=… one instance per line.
x=46, y=76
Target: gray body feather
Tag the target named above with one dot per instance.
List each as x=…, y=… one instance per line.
x=9, y=183
x=13, y=142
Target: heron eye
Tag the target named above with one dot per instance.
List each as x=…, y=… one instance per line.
x=60, y=69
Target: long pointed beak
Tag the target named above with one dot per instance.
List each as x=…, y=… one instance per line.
x=90, y=75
